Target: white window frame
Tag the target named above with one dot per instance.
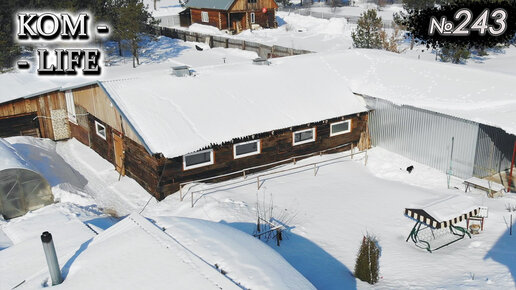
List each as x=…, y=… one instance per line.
x=205, y=17
x=253, y=17
x=97, y=125
x=294, y=143
x=258, y=147
x=70, y=107
x=200, y=164
x=340, y=133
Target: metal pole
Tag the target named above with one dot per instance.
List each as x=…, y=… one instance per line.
x=50, y=254
x=451, y=159
x=512, y=166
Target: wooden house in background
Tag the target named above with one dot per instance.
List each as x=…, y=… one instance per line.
x=163, y=130
x=232, y=15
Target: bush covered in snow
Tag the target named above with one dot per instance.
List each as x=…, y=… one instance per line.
x=367, y=265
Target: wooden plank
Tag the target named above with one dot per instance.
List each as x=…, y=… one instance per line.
x=119, y=153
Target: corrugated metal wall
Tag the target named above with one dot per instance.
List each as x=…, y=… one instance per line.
x=424, y=136
x=494, y=151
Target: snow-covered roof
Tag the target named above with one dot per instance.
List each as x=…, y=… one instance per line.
x=135, y=253
x=450, y=207
x=246, y=259
x=24, y=85
x=211, y=4
x=457, y=90
x=10, y=158
x=179, y=115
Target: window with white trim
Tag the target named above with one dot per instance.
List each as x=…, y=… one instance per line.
x=70, y=107
x=339, y=128
x=204, y=16
x=303, y=136
x=246, y=149
x=101, y=130
x=198, y=159
x=253, y=17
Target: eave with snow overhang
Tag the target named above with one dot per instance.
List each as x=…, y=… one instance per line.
x=193, y=125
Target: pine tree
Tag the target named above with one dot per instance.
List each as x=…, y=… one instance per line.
x=454, y=53
x=134, y=21
x=367, y=266
x=367, y=34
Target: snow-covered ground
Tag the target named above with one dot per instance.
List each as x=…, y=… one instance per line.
x=326, y=216
x=96, y=250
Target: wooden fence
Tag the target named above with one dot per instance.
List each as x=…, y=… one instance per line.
x=262, y=50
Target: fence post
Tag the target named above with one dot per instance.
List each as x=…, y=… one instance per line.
x=192, y=198
x=315, y=169
x=258, y=182
x=352, y=147
x=244, y=175
x=180, y=192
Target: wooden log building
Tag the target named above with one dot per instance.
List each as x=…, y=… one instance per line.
x=162, y=130
x=231, y=15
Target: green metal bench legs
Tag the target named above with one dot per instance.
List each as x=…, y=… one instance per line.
x=457, y=231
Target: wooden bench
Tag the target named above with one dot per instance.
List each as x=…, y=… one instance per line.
x=482, y=184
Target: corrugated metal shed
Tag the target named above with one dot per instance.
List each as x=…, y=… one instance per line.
x=425, y=136
x=210, y=4
x=494, y=151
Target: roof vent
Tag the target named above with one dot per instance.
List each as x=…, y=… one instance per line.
x=181, y=71
x=261, y=61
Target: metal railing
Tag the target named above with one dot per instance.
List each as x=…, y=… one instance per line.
x=260, y=179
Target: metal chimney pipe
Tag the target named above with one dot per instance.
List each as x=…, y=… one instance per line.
x=50, y=254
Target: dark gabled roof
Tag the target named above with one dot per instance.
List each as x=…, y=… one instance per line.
x=210, y=4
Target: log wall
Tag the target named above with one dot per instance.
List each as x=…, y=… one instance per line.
x=275, y=146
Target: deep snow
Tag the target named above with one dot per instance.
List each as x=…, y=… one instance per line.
x=330, y=213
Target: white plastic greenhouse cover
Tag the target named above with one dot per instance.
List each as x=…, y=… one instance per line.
x=21, y=188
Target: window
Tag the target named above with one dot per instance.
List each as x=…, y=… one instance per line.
x=101, y=130
x=340, y=128
x=251, y=1
x=303, y=136
x=70, y=107
x=253, y=18
x=205, y=17
x=198, y=159
x=246, y=149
